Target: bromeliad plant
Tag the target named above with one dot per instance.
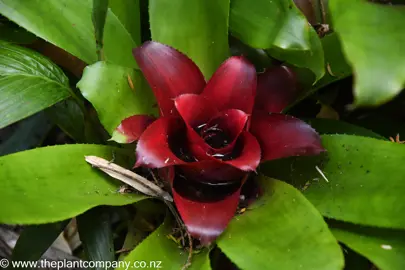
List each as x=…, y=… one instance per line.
x=211, y=135
x=203, y=125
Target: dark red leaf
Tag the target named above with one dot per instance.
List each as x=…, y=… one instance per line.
x=218, y=136
x=131, y=128
x=153, y=149
x=206, y=211
x=195, y=110
x=283, y=136
x=233, y=85
x=231, y=122
x=276, y=89
x=169, y=73
x=211, y=170
x=250, y=154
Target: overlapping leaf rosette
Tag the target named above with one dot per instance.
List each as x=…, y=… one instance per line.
x=211, y=135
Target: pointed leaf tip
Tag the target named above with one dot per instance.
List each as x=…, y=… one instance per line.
x=131, y=128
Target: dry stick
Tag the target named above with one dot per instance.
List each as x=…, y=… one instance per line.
x=130, y=178
x=173, y=211
x=143, y=185
x=182, y=227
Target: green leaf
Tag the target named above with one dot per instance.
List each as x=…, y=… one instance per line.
x=379, y=77
x=55, y=183
x=300, y=171
x=166, y=253
x=269, y=23
x=384, y=247
x=336, y=65
x=96, y=235
x=280, y=27
x=125, y=11
x=70, y=119
x=197, y=28
x=98, y=16
x=29, y=83
x=355, y=192
x=329, y=126
x=282, y=231
x=67, y=24
x=25, y=135
x=313, y=59
x=108, y=88
x=365, y=181
x=35, y=240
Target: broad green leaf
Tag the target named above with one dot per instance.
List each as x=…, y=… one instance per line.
x=312, y=59
x=300, y=171
x=98, y=16
x=125, y=11
x=29, y=83
x=25, y=135
x=269, y=23
x=166, y=254
x=109, y=88
x=280, y=27
x=67, y=24
x=328, y=126
x=365, y=182
x=335, y=63
x=35, y=240
x=197, y=28
x=384, y=247
x=375, y=61
x=336, y=67
x=363, y=185
x=281, y=231
x=55, y=183
x=96, y=235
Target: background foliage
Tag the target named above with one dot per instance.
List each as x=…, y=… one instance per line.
x=68, y=78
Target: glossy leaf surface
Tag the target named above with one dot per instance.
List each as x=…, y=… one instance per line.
x=197, y=28
x=280, y=27
x=384, y=247
x=29, y=83
x=363, y=182
x=68, y=25
x=96, y=234
x=270, y=233
x=379, y=77
x=40, y=177
x=166, y=253
x=116, y=93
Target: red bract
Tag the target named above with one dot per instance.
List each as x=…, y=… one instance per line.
x=212, y=134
